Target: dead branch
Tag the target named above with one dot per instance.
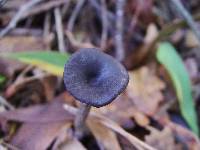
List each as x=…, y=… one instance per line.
x=23, y=10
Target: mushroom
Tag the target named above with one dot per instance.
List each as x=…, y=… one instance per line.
x=93, y=78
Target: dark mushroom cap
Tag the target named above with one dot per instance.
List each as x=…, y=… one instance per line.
x=94, y=77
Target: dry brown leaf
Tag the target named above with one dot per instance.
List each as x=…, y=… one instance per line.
x=38, y=136
x=162, y=140
x=145, y=90
x=41, y=124
x=106, y=138
x=123, y=110
x=41, y=113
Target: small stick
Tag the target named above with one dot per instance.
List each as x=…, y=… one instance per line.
x=190, y=21
x=74, y=15
x=4, y=102
x=2, y=2
x=23, y=10
x=80, y=120
x=104, y=34
x=9, y=146
x=119, y=30
x=59, y=30
x=47, y=25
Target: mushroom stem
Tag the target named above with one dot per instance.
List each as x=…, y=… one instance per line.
x=80, y=120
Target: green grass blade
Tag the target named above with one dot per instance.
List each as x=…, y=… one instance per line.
x=170, y=59
x=52, y=62
x=2, y=79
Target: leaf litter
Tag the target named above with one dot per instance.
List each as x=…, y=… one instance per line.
x=36, y=117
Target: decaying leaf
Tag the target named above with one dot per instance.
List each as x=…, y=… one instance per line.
x=41, y=113
x=123, y=110
x=41, y=124
x=144, y=89
x=162, y=140
x=38, y=136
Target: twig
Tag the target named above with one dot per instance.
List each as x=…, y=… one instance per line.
x=75, y=43
x=23, y=9
x=46, y=28
x=2, y=2
x=4, y=102
x=80, y=120
x=104, y=34
x=44, y=7
x=59, y=30
x=9, y=146
x=65, y=8
x=97, y=6
x=181, y=9
x=120, y=54
x=74, y=15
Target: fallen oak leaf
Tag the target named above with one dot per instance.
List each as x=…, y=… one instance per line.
x=144, y=89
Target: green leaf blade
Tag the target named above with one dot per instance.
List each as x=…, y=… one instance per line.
x=50, y=61
x=2, y=79
x=170, y=59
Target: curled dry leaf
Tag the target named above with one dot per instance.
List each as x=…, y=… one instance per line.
x=106, y=138
x=144, y=89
